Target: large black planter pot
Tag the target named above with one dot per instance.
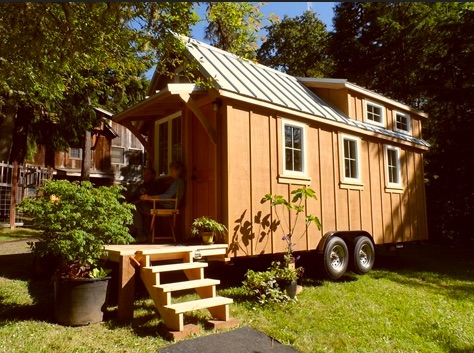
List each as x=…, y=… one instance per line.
x=291, y=289
x=79, y=302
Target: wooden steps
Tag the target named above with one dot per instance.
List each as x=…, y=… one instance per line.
x=177, y=286
x=162, y=293
x=176, y=267
x=198, y=304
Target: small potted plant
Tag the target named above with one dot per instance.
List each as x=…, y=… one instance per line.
x=278, y=284
x=208, y=229
x=77, y=220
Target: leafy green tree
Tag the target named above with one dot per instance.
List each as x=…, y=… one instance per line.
x=58, y=60
x=234, y=26
x=297, y=46
x=421, y=54
x=54, y=52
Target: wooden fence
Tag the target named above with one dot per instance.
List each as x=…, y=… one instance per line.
x=29, y=179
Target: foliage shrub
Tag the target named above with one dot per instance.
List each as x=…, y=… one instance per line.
x=297, y=205
x=77, y=220
x=269, y=286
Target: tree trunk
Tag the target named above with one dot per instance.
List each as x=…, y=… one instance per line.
x=86, y=157
x=7, y=126
x=24, y=117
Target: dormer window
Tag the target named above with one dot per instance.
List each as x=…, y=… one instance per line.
x=374, y=113
x=402, y=123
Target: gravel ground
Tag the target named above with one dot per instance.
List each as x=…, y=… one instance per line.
x=19, y=246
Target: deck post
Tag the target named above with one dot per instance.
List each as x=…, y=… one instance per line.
x=126, y=293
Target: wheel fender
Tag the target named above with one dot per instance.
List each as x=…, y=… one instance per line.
x=347, y=236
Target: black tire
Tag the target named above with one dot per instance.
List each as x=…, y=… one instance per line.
x=335, y=258
x=363, y=256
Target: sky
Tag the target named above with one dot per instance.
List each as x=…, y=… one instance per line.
x=324, y=11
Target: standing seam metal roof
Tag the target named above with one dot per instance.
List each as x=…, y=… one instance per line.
x=237, y=75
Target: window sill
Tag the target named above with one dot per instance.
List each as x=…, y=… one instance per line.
x=351, y=185
x=293, y=179
x=394, y=189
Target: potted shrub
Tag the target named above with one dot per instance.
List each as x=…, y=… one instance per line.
x=278, y=284
x=208, y=229
x=77, y=220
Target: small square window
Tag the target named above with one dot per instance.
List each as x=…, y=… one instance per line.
x=75, y=153
x=374, y=113
x=117, y=155
x=135, y=157
x=402, y=122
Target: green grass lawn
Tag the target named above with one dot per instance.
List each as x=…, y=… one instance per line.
x=419, y=300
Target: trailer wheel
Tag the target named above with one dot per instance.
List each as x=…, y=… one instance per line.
x=363, y=256
x=335, y=258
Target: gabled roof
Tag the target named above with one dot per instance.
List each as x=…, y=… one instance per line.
x=233, y=74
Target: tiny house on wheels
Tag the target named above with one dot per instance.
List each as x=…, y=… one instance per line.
x=257, y=131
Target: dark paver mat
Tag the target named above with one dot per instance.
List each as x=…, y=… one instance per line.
x=240, y=340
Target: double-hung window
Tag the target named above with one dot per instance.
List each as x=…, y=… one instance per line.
x=402, y=123
x=350, y=160
x=169, y=132
x=394, y=179
x=374, y=113
x=294, y=149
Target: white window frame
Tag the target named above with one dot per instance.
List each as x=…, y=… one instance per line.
x=391, y=184
x=395, y=120
x=77, y=149
x=123, y=155
x=350, y=181
x=382, y=113
x=292, y=176
x=168, y=120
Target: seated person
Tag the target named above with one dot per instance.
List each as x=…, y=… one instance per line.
x=143, y=207
x=149, y=186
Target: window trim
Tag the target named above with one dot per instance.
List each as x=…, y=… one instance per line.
x=347, y=182
x=123, y=155
x=75, y=158
x=290, y=176
x=136, y=150
x=407, y=116
x=168, y=119
x=368, y=103
x=391, y=186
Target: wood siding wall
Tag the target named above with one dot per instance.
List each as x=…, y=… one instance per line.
x=252, y=165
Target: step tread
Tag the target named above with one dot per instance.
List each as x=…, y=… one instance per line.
x=176, y=267
x=176, y=286
x=179, y=308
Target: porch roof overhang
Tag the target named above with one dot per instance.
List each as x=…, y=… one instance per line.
x=169, y=100
x=161, y=104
